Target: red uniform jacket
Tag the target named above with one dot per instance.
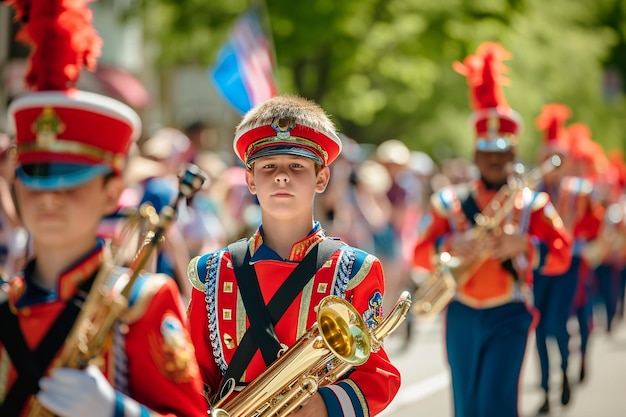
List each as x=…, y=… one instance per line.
x=583, y=215
x=218, y=318
x=150, y=358
x=491, y=285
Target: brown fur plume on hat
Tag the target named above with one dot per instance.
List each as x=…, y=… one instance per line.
x=293, y=110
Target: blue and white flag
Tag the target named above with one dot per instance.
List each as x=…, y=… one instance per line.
x=243, y=72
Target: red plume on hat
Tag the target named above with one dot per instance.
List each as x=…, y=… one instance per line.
x=588, y=154
x=551, y=122
x=484, y=75
x=65, y=137
x=497, y=125
x=580, y=141
x=62, y=39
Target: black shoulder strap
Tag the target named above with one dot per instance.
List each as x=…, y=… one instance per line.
x=31, y=365
x=248, y=283
x=470, y=209
x=300, y=276
x=279, y=303
x=22, y=358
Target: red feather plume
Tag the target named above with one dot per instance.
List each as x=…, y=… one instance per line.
x=484, y=75
x=63, y=41
x=552, y=122
x=580, y=141
x=585, y=150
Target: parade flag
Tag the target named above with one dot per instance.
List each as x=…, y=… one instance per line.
x=243, y=73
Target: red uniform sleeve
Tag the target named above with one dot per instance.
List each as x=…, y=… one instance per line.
x=377, y=381
x=162, y=369
x=436, y=227
x=547, y=226
x=197, y=323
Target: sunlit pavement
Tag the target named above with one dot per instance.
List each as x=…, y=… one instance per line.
x=426, y=388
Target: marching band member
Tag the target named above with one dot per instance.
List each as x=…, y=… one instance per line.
x=602, y=254
x=71, y=148
x=554, y=295
x=488, y=321
x=590, y=162
x=236, y=319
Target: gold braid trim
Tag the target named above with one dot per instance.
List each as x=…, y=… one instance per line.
x=291, y=139
x=192, y=274
x=75, y=148
x=360, y=396
x=241, y=324
x=305, y=305
x=5, y=365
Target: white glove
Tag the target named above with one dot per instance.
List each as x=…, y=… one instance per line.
x=77, y=393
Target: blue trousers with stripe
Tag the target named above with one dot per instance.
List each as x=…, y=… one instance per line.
x=607, y=290
x=554, y=296
x=485, y=350
x=621, y=292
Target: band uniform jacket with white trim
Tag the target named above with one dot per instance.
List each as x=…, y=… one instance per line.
x=218, y=318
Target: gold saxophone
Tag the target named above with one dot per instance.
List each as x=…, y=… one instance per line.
x=439, y=288
x=338, y=341
x=102, y=308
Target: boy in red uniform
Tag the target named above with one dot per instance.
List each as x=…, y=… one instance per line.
x=71, y=148
x=488, y=322
x=287, y=144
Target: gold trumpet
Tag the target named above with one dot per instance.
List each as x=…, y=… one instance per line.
x=337, y=342
x=450, y=271
x=102, y=307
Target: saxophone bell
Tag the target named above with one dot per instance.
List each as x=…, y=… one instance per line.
x=343, y=331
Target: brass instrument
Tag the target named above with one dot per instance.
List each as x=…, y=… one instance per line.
x=102, y=308
x=338, y=341
x=435, y=293
x=439, y=288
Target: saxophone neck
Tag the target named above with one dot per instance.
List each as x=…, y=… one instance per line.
x=390, y=323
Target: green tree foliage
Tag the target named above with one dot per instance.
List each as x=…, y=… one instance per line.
x=185, y=31
x=383, y=68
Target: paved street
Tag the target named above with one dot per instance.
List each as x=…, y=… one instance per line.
x=426, y=389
